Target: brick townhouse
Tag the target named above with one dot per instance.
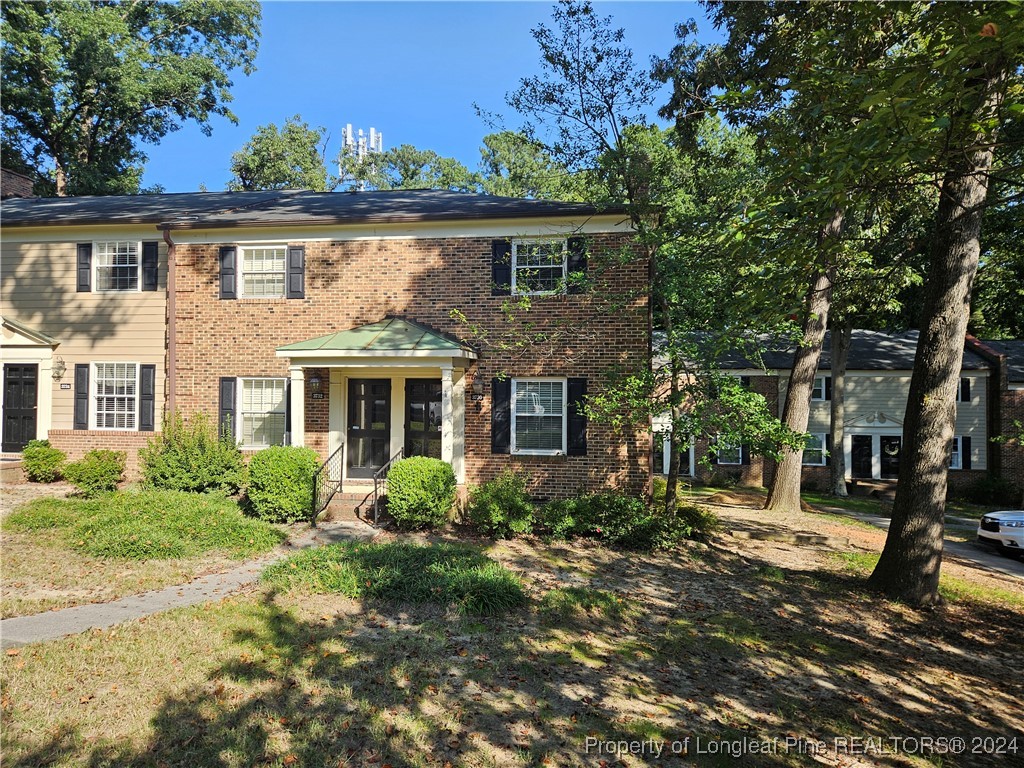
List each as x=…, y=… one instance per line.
x=990, y=396
x=363, y=323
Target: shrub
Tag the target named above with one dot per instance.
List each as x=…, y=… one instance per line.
x=42, y=463
x=97, y=472
x=421, y=492
x=191, y=456
x=501, y=507
x=407, y=573
x=281, y=483
x=990, y=490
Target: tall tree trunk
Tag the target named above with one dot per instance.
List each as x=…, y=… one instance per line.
x=672, y=481
x=841, y=336
x=784, y=495
x=908, y=569
x=61, y=180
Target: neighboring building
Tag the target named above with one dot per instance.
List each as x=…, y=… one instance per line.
x=877, y=383
x=14, y=184
x=366, y=322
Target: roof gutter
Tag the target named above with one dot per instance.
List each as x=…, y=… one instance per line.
x=172, y=333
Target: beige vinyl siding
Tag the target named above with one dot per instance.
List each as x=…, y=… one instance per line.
x=869, y=393
x=39, y=289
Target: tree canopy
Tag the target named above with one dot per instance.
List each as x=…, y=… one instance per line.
x=289, y=157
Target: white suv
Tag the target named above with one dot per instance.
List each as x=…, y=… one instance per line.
x=1004, y=530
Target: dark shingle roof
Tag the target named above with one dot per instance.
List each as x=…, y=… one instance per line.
x=869, y=351
x=192, y=210
x=1014, y=351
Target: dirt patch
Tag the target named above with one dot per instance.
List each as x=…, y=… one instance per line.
x=13, y=495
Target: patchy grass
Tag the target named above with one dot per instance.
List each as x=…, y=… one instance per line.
x=400, y=572
x=564, y=604
x=64, y=552
x=862, y=504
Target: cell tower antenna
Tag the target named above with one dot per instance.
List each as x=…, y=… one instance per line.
x=360, y=146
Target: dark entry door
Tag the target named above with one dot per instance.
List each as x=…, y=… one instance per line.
x=891, y=456
x=21, y=386
x=369, y=425
x=423, y=417
x=860, y=456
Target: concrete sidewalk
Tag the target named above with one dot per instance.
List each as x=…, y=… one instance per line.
x=69, y=621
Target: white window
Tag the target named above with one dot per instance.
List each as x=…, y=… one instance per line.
x=814, y=451
x=539, y=416
x=116, y=266
x=263, y=412
x=263, y=271
x=728, y=454
x=115, y=395
x=539, y=266
x=956, y=457
x=663, y=452
x=818, y=393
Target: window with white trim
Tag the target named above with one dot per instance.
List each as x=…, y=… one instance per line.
x=115, y=266
x=539, y=267
x=956, y=457
x=262, y=412
x=663, y=452
x=263, y=270
x=818, y=393
x=728, y=454
x=538, y=416
x=115, y=395
x=814, y=451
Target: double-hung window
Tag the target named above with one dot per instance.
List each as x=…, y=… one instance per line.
x=956, y=457
x=115, y=395
x=728, y=454
x=819, y=391
x=538, y=416
x=814, y=451
x=539, y=266
x=263, y=271
x=116, y=266
x=263, y=412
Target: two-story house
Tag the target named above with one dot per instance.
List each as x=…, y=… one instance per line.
x=461, y=326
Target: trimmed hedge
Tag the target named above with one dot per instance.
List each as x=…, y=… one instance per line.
x=42, y=462
x=99, y=471
x=421, y=492
x=281, y=483
x=191, y=456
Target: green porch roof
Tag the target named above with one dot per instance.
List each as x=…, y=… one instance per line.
x=392, y=336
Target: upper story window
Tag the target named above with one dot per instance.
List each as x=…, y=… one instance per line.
x=956, y=458
x=538, y=416
x=116, y=265
x=263, y=271
x=822, y=388
x=115, y=395
x=539, y=266
x=814, y=451
x=263, y=413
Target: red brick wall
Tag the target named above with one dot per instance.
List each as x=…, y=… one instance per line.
x=77, y=442
x=349, y=283
x=1012, y=453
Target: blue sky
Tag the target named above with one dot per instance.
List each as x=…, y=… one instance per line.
x=410, y=70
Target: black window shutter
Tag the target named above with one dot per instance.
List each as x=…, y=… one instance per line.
x=226, y=422
x=828, y=449
x=228, y=272
x=965, y=452
x=745, y=382
x=296, y=272
x=501, y=415
x=745, y=454
x=713, y=456
x=828, y=387
x=147, y=398
x=82, y=396
x=84, y=268
x=288, y=412
x=150, y=260
x=965, y=390
x=501, y=268
x=577, y=264
x=577, y=418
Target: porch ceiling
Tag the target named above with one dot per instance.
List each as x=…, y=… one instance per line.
x=392, y=337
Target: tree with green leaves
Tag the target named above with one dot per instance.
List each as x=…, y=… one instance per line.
x=290, y=157
x=512, y=165
x=86, y=83
x=406, y=167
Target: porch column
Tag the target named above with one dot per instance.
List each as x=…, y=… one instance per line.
x=459, y=417
x=298, y=405
x=447, y=416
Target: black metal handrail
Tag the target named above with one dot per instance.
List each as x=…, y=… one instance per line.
x=380, y=482
x=326, y=483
